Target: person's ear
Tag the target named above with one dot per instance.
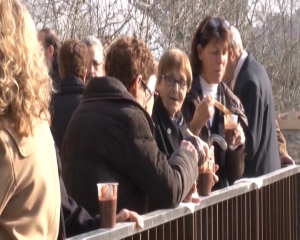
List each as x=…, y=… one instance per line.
x=84, y=76
x=50, y=50
x=231, y=55
x=199, y=51
x=135, y=86
x=103, y=68
x=60, y=73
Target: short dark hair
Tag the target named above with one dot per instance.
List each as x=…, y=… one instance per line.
x=73, y=58
x=128, y=57
x=220, y=32
x=51, y=39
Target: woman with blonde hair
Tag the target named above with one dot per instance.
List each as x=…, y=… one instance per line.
x=29, y=187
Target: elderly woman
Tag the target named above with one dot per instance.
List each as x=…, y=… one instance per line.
x=209, y=54
x=173, y=82
x=29, y=186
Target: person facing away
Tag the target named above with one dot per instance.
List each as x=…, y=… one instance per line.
x=209, y=53
x=51, y=44
x=29, y=186
x=73, y=63
x=250, y=82
x=96, y=66
x=109, y=138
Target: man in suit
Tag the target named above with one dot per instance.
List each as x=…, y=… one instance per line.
x=250, y=82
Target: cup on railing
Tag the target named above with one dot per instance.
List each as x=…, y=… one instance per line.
x=107, y=197
x=230, y=123
x=206, y=174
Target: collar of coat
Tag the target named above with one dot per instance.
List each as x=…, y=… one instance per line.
x=71, y=84
x=110, y=88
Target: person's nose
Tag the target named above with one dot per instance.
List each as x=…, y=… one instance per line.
x=176, y=87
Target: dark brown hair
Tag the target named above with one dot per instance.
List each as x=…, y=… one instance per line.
x=50, y=38
x=73, y=58
x=128, y=57
x=203, y=35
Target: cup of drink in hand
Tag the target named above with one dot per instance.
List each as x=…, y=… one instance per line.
x=206, y=174
x=107, y=197
x=230, y=124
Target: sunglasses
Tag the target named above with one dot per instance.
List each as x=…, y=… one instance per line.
x=214, y=23
x=151, y=93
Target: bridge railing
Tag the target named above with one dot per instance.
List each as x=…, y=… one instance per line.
x=263, y=208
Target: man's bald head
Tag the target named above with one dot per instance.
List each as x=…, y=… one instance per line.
x=236, y=42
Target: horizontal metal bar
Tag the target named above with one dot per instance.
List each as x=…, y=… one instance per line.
x=160, y=217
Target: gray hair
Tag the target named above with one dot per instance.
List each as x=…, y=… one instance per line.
x=92, y=41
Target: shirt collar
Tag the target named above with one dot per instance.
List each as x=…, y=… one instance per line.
x=238, y=68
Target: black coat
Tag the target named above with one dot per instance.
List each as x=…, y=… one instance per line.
x=168, y=133
x=64, y=104
x=74, y=220
x=109, y=139
x=253, y=87
x=231, y=162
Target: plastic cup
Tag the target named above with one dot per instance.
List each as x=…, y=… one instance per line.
x=230, y=124
x=206, y=174
x=107, y=198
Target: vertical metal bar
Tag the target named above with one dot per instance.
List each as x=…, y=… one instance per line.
x=214, y=221
x=181, y=227
x=160, y=232
x=298, y=206
x=255, y=215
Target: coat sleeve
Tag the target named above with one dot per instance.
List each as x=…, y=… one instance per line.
x=165, y=182
x=7, y=183
x=76, y=219
x=254, y=109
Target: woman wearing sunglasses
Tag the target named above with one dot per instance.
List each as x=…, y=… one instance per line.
x=209, y=53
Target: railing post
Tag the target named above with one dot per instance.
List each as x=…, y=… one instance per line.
x=298, y=205
x=254, y=218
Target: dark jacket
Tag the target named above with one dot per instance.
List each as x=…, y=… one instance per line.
x=64, y=104
x=109, y=139
x=231, y=162
x=54, y=74
x=168, y=133
x=74, y=220
x=253, y=87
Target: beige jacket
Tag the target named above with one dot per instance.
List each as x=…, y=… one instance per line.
x=29, y=185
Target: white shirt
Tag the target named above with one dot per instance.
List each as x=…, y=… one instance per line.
x=238, y=68
x=209, y=89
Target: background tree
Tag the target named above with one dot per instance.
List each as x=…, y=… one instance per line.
x=270, y=29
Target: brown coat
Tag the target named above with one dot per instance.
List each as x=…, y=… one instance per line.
x=29, y=187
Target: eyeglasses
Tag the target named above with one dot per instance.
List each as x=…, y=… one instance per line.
x=151, y=93
x=215, y=23
x=170, y=81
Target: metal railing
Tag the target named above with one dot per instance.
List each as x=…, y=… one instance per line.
x=264, y=209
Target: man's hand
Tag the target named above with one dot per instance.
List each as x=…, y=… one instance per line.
x=125, y=215
x=190, y=147
x=286, y=160
x=192, y=196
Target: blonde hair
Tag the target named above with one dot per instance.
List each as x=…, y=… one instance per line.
x=25, y=85
x=175, y=59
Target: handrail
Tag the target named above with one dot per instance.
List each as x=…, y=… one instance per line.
x=159, y=217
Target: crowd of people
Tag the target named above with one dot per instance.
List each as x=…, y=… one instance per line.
x=71, y=117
